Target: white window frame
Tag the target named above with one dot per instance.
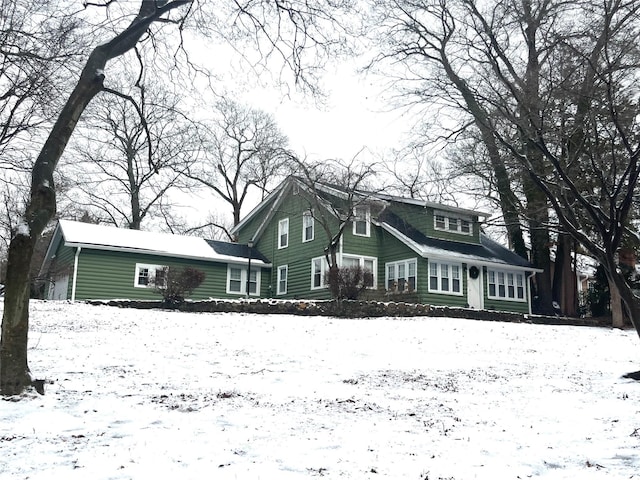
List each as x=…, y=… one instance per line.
x=359, y=218
x=152, y=270
x=283, y=233
x=445, y=271
x=308, y=222
x=361, y=262
x=320, y=262
x=283, y=271
x=393, y=271
x=243, y=280
x=507, y=284
x=448, y=222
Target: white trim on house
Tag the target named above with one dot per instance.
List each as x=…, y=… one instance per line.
x=242, y=280
x=282, y=279
x=447, y=255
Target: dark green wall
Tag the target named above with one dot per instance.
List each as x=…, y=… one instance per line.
x=106, y=274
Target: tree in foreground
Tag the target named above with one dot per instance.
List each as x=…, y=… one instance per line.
x=14, y=370
x=285, y=30
x=557, y=80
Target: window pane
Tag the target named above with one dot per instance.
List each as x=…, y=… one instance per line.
x=143, y=276
x=465, y=226
x=316, y=272
x=412, y=269
x=453, y=224
x=445, y=284
x=440, y=222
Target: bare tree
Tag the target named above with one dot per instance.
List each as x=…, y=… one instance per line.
x=287, y=30
x=14, y=370
x=131, y=152
x=334, y=192
x=557, y=80
x=243, y=151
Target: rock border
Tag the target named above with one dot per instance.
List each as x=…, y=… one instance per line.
x=352, y=309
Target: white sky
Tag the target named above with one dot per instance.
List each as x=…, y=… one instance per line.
x=354, y=117
x=158, y=394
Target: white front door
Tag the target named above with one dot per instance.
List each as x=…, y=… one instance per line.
x=475, y=298
x=58, y=288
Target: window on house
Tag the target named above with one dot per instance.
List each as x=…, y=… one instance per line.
x=307, y=226
x=505, y=285
x=318, y=269
x=401, y=275
x=237, y=280
x=282, y=279
x=148, y=276
x=283, y=233
x=362, y=221
x=452, y=224
x=368, y=265
x=445, y=278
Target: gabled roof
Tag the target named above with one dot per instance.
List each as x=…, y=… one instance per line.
x=103, y=237
x=488, y=252
x=270, y=204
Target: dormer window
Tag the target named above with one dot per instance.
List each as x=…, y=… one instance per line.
x=362, y=221
x=451, y=223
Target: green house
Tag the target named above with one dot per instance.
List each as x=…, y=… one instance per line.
x=87, y=261
x=415, y=250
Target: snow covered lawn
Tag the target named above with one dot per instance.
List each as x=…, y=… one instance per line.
x=155, y=394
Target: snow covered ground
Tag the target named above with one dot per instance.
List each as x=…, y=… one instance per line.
x=156, y=394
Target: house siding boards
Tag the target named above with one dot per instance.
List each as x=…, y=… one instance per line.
x=105, y=274
x=401, y=230
x=298, y=254
x=108, y=257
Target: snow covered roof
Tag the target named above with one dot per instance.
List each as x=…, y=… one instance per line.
x=103, y=237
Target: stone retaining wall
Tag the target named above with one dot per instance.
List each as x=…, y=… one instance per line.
x=353, y=309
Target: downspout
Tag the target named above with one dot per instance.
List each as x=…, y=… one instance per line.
x=75, y=275
x=529, y=277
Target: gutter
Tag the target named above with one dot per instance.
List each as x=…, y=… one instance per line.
x=529, y=278
x=75, y=275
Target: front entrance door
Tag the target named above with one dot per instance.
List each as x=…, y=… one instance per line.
x=475, y=298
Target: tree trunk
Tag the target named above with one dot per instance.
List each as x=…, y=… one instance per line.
x=617, y=310
x=538, y=217
x=630, y=302
x=14, y=369
x=564, y=281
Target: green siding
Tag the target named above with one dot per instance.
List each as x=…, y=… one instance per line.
x=298, y=254
x=106, y=274
x=504, y=305
x=380, y=244
x=421, y=219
